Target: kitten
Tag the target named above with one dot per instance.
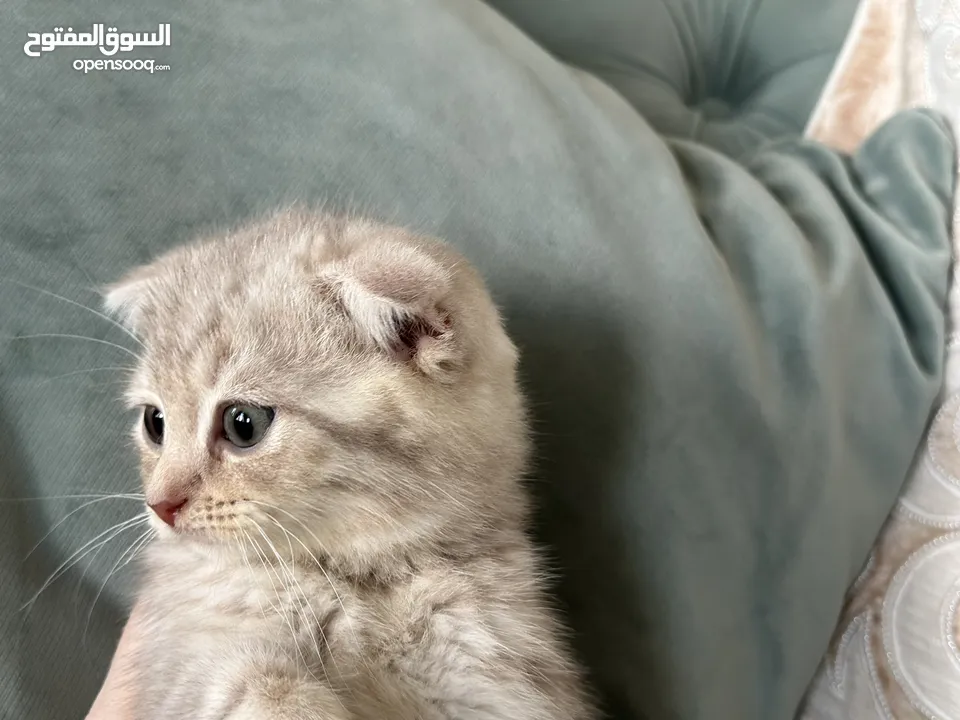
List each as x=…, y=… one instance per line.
x=332, y=441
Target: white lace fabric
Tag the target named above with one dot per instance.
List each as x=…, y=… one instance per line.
x=895, y=653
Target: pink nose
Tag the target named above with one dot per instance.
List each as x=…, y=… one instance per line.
x=167, y=510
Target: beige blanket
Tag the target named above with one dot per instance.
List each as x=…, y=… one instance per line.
x=895, y=653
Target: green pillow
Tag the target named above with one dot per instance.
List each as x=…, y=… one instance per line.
x=730, y=361
x=728, y=73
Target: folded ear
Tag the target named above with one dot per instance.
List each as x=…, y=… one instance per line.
x=125, y=298
x=399, y=298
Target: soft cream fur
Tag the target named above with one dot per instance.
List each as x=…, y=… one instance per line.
x=367, y=559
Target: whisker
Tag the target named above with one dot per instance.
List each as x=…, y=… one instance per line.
x=304, y=603
x=93, y=286
x=135, y=546
x=99, y=314
x=301, y=597
x=276, y=609
x=67, y=517
x=323, y=570
x=86, y=568
x=246, y=561
x=74, y=337
x=84, y=550
x=283, y=615
x=84, y=372
x=152, y=533
x=290, y=535
x=83, y=496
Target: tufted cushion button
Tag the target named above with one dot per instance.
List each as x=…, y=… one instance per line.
x=713, y=108
x=729, y=73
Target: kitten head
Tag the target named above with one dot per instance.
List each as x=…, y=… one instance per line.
x=333, y=385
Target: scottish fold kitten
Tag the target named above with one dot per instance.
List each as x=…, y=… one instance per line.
x=332, y=440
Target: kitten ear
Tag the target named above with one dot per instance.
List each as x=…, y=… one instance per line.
x=399, y=298
x=124, y=299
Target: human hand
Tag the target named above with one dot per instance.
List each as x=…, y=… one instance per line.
x=115, y=699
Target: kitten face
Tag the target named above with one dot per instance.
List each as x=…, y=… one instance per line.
x=337, y=386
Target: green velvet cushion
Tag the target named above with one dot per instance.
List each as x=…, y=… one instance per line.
x=729, y=73
x=730, y=360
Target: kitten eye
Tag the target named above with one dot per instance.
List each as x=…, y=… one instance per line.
x=245, y=425
x=153, y=423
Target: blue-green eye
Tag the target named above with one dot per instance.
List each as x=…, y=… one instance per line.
x=153, y=424
x=245, y=425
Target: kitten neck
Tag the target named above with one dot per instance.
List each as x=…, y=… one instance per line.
x=383, y=561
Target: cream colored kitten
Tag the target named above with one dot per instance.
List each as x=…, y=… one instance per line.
x=332, y=440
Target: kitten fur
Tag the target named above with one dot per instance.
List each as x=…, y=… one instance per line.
x=367, y=559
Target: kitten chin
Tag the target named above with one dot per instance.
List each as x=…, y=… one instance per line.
x=332, y=441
